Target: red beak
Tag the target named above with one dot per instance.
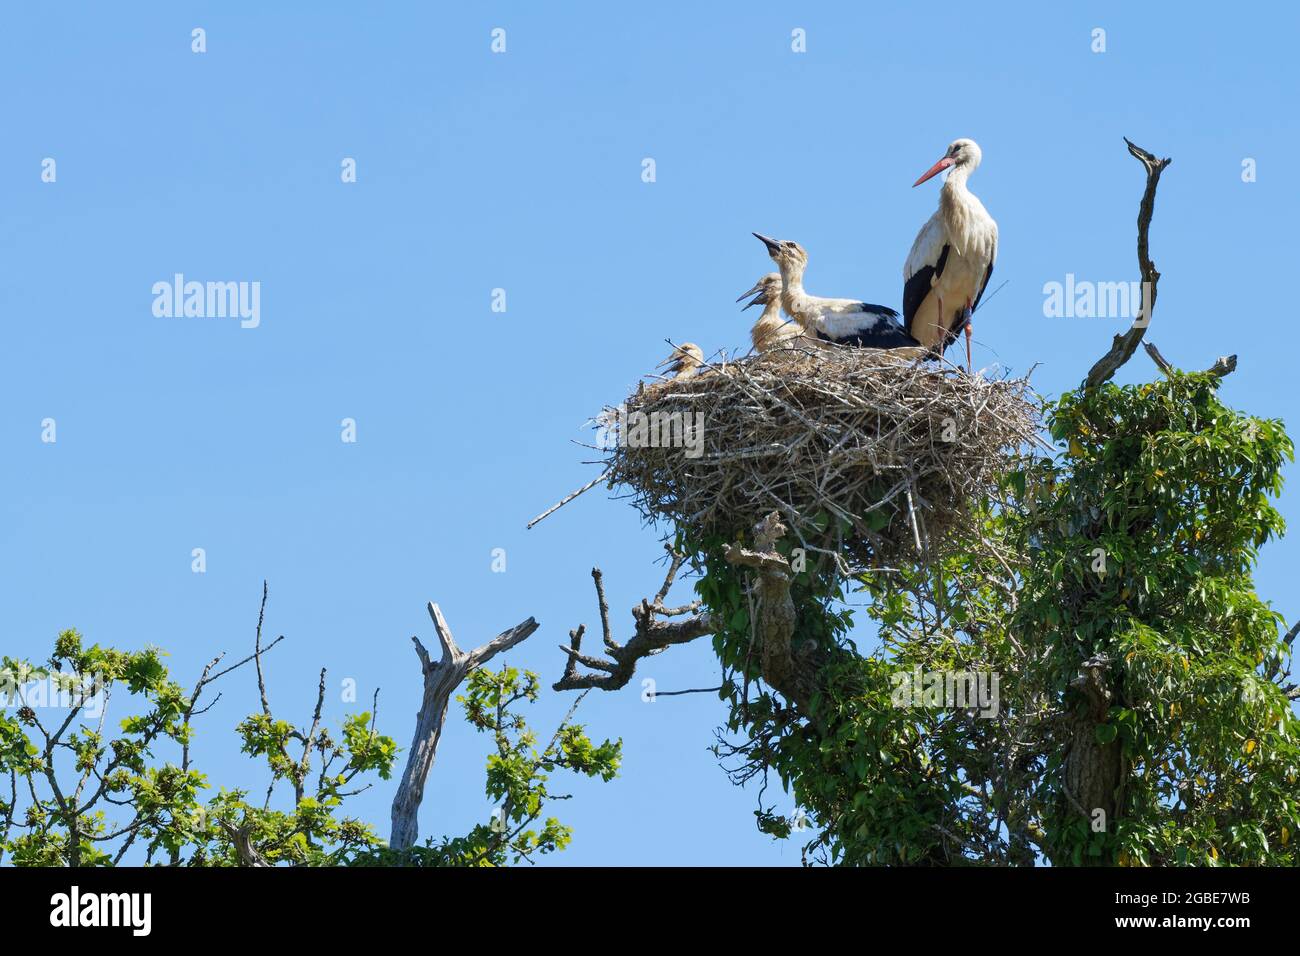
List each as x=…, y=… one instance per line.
x=934, y=170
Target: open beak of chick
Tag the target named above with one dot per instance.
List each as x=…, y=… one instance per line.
x=685, y=357
x=759, y=293
x=672, y=363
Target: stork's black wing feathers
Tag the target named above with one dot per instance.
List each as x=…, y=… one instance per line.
x=881, y=310
x=882, y=332
x=918, y=287
x=885, y=337
x=988, y=274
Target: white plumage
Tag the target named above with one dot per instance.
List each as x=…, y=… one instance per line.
x=952, y=258
x=841, y=321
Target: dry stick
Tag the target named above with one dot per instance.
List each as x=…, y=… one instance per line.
x=693, y=690
x=1224, y=365
x=241, y=663
x=257, y=654
x=566, y=499
x=1161, y=362
x=911, y=511
x=1123, y=347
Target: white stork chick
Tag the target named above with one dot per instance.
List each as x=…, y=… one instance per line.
x=771, y=332
x=842, y=321
x=949, y=266
x=685, y=361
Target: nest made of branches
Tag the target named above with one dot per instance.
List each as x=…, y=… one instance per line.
x=863, y=453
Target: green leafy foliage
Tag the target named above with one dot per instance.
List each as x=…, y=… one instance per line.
x=1128, y=553
x=518, y=779
x=80, y=795
x=1174, y=487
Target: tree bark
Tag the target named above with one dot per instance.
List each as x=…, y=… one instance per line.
x=1093, y=770
x=789, y=670
x=441, y=679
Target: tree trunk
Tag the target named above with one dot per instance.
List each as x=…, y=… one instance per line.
x=440, y=681
x=1093, y=770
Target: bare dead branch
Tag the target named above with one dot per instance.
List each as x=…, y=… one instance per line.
x=501, y=643
x=240, y=663
x=1161, y=362
x=440, y=681
x=655, y=631
x=257, y=655
x=309, y=742
x=1123, y=346
x=1224, y=365
x=788, y=669
x=674, y=565
x=605, y=631
x=691, y=690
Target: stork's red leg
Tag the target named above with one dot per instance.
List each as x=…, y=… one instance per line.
x=970, y=327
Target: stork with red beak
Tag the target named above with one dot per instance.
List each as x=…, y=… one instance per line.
x=950, y=263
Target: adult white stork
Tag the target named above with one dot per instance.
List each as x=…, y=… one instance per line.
x=685, y=361
x=950, y=263
x=771, y=332
x=842, y=321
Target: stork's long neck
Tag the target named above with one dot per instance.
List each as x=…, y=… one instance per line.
x=791, y=275
x=957, y=176
x=769, y=324
x=792, y=290
x=958, y=206
x=954, y=192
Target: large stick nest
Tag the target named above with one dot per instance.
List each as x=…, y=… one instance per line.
x=863, y=453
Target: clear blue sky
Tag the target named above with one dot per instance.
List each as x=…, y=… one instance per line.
x=522, y=171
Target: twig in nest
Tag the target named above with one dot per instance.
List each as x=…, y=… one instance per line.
x=566, y=499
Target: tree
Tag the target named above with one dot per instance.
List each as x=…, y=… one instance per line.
x=81, y=795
